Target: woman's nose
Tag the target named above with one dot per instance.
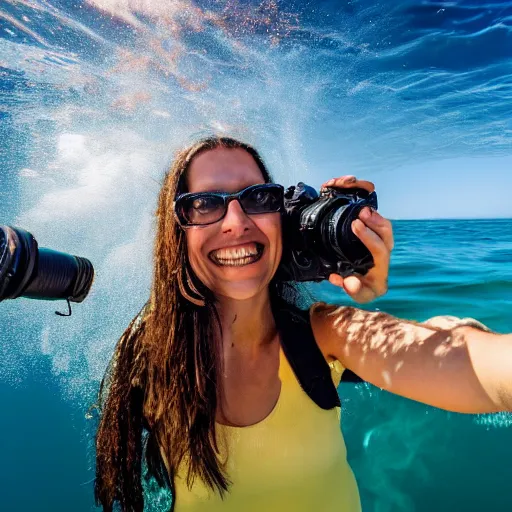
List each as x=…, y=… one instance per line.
x=236, y=219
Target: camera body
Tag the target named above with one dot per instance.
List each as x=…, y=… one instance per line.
x=317, y=233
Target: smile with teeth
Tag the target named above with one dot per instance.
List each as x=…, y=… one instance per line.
x=237, y=256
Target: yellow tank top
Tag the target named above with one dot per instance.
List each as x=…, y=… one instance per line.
x=295, y=459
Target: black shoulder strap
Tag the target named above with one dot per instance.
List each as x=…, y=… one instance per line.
x=305, y=358
x=350, y=376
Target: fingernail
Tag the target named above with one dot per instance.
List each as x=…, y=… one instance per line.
x=329, y=183
x=358, y=225
x=350, y=179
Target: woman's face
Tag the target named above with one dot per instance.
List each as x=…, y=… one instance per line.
x=237, y=256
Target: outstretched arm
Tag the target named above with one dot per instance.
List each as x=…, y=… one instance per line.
x=462, y=369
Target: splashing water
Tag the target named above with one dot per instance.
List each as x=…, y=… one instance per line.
x=96, y=96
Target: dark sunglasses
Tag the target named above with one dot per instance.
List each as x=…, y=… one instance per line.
x=203, y=208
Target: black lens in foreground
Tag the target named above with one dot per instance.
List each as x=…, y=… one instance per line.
x=60, y=276
x=39, y=273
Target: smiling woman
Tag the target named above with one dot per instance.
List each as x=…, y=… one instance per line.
x=205, y=373
x=174, y=355
x=202, y=369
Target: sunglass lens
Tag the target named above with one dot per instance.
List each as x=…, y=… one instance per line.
x=202, y=209
x=262, y=200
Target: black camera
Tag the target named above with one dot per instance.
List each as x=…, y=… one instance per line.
x=317, y=233
x=38, y=273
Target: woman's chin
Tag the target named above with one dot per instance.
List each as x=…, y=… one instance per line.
x=241, y=290
x=240, y=282
x=233, y=276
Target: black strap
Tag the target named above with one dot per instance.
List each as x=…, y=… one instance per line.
x=350, y=376
x=306, y=359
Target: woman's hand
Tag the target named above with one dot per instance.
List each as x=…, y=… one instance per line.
x=376, y=233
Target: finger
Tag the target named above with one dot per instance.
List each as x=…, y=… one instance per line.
x=379, y=225
x=360, y=292
x=374, y=243
x=349, y=182
x=377, y=278
x=343, y=180
x=366, y=185
x=336, y=280
x=352, y=285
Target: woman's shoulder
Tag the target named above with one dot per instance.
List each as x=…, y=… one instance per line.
x=335, y=366
x=305, y=323
x=306, y=357
x=315, y=314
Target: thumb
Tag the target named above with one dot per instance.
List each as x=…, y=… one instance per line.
x=352, y=285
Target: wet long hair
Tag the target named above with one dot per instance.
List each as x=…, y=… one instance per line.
x=158, y=398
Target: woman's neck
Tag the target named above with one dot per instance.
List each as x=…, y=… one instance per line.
x=247, y=324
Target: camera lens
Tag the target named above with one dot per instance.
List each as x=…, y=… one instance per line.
x=341, y=236
x=39, y=273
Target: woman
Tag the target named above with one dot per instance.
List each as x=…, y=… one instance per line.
x=200, y=379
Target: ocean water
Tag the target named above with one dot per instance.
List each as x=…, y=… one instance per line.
x=406, y=456
x=95, y=96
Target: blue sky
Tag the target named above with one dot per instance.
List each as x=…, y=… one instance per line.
x=455, y=188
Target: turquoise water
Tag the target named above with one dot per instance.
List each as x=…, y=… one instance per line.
x=95, y=96
x=458, y=267
x=406, y=456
